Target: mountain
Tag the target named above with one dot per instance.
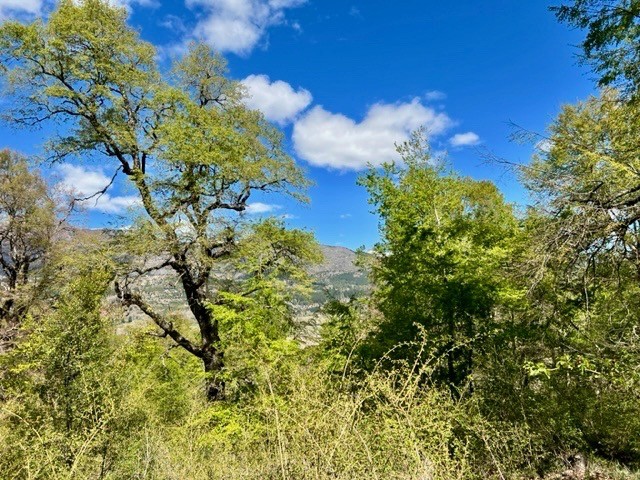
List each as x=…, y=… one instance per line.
x=336, y=278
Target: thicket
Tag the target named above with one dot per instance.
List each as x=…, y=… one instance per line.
x=495, y=343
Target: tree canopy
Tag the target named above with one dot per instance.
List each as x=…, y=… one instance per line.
x=28, y=223
x=444, y=241
x=612, y=39
x=491, y=342
x=192, y=150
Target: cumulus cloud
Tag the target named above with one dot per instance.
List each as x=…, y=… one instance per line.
x=257, y=208
x=334, y=140
x=278, y=101
x=82, y=182
x=238, y=25
x=467, y=139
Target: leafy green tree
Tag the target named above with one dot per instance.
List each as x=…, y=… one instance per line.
x=588, y=183
x=345, y=333
x=192, y=150
x=584, y=277
x=445, y=243
x=57, y=384
x=612, y=41
x=27, y=226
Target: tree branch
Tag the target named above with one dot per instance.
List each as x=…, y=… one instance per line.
x=99, y=193
x=128, y=298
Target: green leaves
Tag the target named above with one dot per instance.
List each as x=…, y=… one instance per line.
x=441, y=263
x=28, y=224
x=588, y=183
x=190, y=147
x=611, y=43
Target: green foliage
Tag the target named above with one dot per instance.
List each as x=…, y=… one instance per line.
x=588, y=178
x=582, y=380
x=588, y=228
x=190, y=147
x=611, y=43
x=345, y=346
x=27, y=225
x=492, y=346
x=300, y=423
x=445, y=243
x=63, y=398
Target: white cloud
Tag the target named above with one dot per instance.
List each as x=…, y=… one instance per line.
x=257, y=208
x=336, y=141
x=130, y=3
x=277, y=100
x=20, y=9
x=435, y=95
x=467, y=139
x=238, y=25
x=120, y=204
x=82, y=182
x=13, y=8
x=345, y=215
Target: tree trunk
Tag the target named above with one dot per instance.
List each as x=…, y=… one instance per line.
x=212, y=356
x=214, y=383
x=5, y=309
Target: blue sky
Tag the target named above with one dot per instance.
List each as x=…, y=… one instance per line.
x=346, y=79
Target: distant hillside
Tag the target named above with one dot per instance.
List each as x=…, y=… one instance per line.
x=337, y=277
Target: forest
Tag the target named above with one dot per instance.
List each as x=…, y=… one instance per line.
x=495, y=341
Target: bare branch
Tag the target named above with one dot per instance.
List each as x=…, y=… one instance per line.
x=128, y=299
x=97, y=195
